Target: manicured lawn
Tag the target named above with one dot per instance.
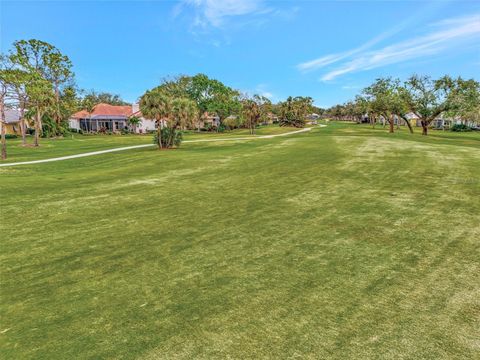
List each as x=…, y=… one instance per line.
x=345, y=242
x=76, y=143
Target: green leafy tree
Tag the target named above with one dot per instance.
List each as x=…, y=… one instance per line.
x=467, y=103
x=41, y=58
x=210, y=95
x=184, y=113
x=134, y=121
x=88, y=104
x=171, y=114
x=41, y=97
x=156, y=104
x=6, y=68
x=381, y=97
x=105, y=98
x=255, y=110
x=428, y=98
x=294, y=110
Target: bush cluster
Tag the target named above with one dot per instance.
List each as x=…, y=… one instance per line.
x=461, y=128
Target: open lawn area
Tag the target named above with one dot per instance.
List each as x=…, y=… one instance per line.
x=344, y=242
x=77, y=143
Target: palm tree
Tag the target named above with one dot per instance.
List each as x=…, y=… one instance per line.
x=254, y=110
x=89, y=106
x=184, y=114
x=134, y=121
x=155, y=104
x=251, y=112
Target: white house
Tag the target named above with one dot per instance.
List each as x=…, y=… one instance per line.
x=145, y=125
x=106, y=117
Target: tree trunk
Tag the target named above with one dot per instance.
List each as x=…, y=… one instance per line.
x=159, y=135
x=171, y=137
x=3, y=125
x=4, y=140
x=391, y=124
x=23, y=129
x=57, y=112
x=23, y=125
x=37, y=127
x=424, y=127
x=408, y=124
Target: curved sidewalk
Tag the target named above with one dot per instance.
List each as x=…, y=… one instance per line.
x=146, y=145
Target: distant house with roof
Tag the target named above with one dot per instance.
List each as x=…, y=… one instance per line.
x=209, y=119
x=12, y=121
x=104, y=117
x=145, y=125
x=112, y=118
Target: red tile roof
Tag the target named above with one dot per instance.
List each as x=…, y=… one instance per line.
x=105, y=109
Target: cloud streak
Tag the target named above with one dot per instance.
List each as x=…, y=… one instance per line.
x=216, y=12
x=444, y=35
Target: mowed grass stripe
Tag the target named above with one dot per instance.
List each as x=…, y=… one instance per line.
x=323, y=245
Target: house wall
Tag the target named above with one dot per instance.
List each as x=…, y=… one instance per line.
x=13, y=128
x=74, y=124
x=145, y=126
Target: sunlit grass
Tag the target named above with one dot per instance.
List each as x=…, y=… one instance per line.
x=345, y=242
x=76, y=143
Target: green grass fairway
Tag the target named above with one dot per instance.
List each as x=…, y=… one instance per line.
x=341, y=243
x=76, y=143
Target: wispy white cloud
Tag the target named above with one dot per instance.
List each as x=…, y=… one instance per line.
x=334, y=58
x=216, y=12
x=446, y=35
x=261, y=89
x=441, y=36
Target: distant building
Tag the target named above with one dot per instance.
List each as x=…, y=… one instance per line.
x=145, y=125
x=312, y=119
x=209, y=119
x=106, y=117
x=271, y=119
x=12, y=121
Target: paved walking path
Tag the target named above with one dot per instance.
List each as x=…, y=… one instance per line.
x=147, y=145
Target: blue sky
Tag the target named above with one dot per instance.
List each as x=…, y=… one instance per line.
x=328, y=50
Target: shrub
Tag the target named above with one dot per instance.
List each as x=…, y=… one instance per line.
x=170, y=137
x=233, y=122
x=10, y=136
x=461, y=128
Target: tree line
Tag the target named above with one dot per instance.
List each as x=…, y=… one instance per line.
x=185, y=101
x=425, y=98
x=38, y=80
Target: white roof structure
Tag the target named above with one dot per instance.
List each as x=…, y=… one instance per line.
x=12, y=116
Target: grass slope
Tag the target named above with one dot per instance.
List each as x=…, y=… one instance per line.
x=345, y=242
